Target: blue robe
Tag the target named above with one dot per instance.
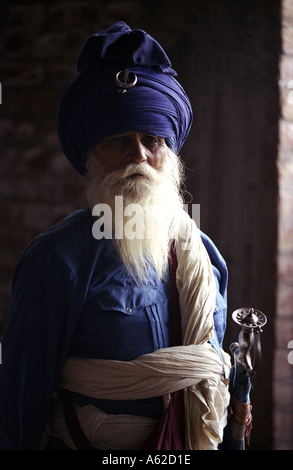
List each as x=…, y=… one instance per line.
x=72, y=297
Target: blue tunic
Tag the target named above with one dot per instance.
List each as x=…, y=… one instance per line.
x=72, y=297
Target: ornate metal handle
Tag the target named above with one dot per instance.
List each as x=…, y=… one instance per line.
x=252, y=321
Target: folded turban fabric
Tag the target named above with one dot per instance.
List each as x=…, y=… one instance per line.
x=94, y=106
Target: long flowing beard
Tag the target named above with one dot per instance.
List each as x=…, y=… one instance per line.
x=151, y=206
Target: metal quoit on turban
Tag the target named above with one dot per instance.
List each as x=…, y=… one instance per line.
x=125, y=83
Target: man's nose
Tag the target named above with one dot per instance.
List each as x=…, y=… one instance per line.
x=136, y=152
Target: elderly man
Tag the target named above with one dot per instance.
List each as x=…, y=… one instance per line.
x=118, y=313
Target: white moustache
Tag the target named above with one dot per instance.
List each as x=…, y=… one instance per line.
x=141, y=169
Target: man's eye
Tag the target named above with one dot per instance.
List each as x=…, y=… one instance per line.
x=152, y=140
x=119, y=138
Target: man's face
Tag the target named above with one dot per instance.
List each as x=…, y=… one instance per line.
x=120, y=150
x=143, y=170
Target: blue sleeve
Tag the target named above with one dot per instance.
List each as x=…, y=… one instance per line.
x=218, y=262
x=221, y=278
x=43, y=316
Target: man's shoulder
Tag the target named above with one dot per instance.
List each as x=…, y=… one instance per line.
x=68, y=246
x=69, y=234
x=217, y=260
x=221, y=278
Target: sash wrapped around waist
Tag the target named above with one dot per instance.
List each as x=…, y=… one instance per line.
x=195, y=368
x=155, y=374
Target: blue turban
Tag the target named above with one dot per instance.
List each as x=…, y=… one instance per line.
x=96, y=105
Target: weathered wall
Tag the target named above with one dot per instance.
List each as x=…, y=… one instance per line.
x=283, y=369
x=226, y=54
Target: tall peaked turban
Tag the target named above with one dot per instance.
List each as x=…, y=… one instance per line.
x=125, y=83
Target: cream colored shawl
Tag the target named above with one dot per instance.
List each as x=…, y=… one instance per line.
x=194, y=367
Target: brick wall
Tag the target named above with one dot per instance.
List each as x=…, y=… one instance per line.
x=283, y=374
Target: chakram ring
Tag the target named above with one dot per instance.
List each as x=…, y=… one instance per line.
x=125, y=84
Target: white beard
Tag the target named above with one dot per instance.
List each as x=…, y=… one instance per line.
x=158, y=194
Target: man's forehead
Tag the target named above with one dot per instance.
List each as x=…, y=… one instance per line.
x=132, y=133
